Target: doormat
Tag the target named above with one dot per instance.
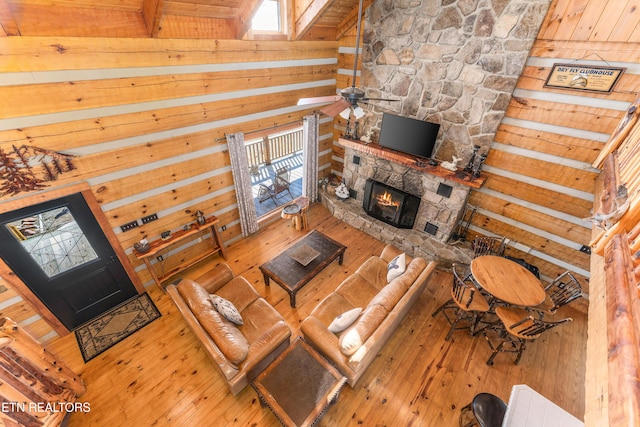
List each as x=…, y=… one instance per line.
x=115, y=325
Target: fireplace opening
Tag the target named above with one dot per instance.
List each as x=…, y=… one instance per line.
x=389, y=204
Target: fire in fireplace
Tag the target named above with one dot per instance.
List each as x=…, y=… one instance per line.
x=391, y=205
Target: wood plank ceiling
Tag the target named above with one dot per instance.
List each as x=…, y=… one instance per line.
x=199, y=19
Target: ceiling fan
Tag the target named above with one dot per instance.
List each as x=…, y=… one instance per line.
x=346, y=103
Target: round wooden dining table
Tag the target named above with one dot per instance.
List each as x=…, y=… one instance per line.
x=507, y=280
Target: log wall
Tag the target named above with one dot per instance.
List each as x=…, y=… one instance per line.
x=145, y=121
x=613, y=357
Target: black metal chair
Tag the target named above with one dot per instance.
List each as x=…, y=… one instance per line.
x=486, y=410
x=532, y=268
x=518, y=327
x=562, y=290
x=467, y=303
x=485, y=245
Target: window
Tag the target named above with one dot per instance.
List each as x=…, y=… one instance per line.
x=268, y=18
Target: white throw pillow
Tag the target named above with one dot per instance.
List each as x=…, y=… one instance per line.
x=226, y=309
x=344, y=320
x=396, y=267
x=350, y=342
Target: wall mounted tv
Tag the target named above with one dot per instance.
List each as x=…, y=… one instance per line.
x=411, y=136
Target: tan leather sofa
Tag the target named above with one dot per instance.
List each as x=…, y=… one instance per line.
x=384, y=306
x=240, y=352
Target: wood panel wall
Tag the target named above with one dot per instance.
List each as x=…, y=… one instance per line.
x=146, y=119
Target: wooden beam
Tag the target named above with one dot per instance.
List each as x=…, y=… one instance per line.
x=311, y=14
x=7, y=21
x=245, y=14
x=151, y=15
x=351, y=20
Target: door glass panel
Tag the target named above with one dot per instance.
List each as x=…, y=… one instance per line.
x=54, y=240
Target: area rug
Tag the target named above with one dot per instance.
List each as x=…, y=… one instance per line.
x=112, y=327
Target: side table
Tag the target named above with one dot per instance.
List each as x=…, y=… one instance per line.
x=297, y=212
x=158, y=245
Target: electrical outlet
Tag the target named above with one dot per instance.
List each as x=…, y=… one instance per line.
x=223, y=228
x=585, y=249
x=129, y=226
x=147, y=219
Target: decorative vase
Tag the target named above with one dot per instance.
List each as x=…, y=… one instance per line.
x=331, y=187
x=142, y=246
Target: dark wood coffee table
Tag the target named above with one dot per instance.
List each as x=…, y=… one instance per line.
x=299, y=385
x=292, y=275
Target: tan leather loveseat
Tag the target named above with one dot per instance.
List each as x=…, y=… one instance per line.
x=240, y=352
x=383, y=304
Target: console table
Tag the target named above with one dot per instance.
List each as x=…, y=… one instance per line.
x=158, y=245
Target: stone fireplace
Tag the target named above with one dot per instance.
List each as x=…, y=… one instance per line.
x=443, y=196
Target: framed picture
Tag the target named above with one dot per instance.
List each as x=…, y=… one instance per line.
x=582, y=77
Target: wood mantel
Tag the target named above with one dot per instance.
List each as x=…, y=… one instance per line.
x=414, y=162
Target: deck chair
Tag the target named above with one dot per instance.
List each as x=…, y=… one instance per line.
x=518, y=327
x=280, y=185
x=467, y=305
x=281, y=182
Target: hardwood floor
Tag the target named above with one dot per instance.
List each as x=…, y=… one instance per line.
x=159, y=376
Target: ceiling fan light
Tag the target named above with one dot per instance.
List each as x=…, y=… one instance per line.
x=345, y=113
x=358, y=112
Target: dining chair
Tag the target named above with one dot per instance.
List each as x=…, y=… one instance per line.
x=485, y=245
x=467, y=305
x=486, y=410
x=532, y=268
x=560, y=292
x=518, y=327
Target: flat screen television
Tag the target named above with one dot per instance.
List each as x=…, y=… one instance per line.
x=411, y=136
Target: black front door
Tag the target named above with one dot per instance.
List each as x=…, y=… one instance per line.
x=59, y=251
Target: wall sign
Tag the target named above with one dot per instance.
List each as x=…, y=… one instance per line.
x=580, y=77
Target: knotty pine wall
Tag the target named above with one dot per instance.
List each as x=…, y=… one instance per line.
x=146, y=119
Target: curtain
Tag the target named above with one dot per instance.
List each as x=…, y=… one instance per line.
x=310, y=142
x=242, y=182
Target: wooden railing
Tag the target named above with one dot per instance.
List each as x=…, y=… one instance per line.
x=267, y=149
x=617, y=239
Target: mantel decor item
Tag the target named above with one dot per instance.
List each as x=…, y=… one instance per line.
x=478, y=166
x=469, y=167
x=452, y=165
